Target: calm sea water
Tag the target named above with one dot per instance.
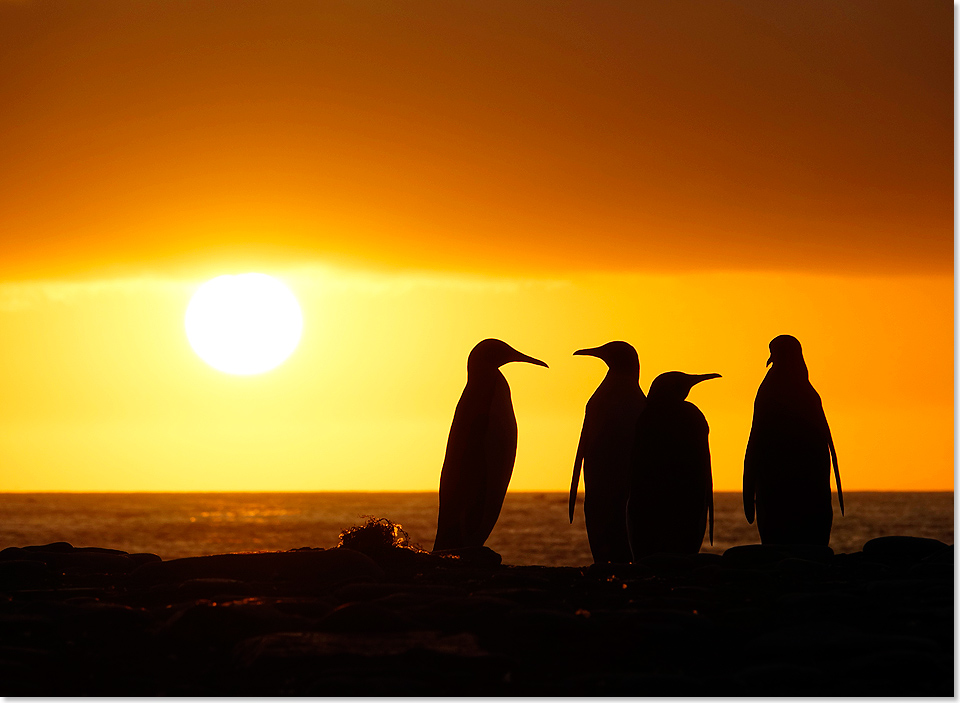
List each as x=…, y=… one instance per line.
x=533, y=527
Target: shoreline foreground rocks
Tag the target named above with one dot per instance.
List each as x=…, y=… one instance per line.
x=758, y=620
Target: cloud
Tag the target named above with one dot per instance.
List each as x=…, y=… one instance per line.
x=307, y=280
x=335, y=279
x=19, y=296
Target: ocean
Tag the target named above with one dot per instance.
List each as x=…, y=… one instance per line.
x=533, y=528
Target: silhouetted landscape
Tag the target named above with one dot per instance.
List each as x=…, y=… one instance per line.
x=377, y=618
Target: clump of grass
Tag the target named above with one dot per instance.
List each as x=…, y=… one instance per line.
x=376, y=535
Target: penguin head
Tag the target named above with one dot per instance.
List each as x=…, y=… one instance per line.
x=786, y=354
x=619, y=356
x=674, y=386
x=492, y=354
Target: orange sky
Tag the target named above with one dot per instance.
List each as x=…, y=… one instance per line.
x=692, y=177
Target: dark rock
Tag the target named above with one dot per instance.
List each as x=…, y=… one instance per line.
x=525, y=596
x=109, y=620
x=99, y=550
x=75, y=560
x=366, y=617
x=52, y=547
x=658, y=685
x=784, y=679
x=541, y=622
x=772, y=621
x=904, y=666
x=206, y=622
x=322, y=567
x=17, y=574
x=902, y=549
x=856, y=566
x=753, y=555
x=608, y=569
x=213, y=589
x=292, y=646
x=141, y=558
x=707, y=558
x=401, y=601
x=673, y=563
x=793, y=565
x=651, y=632
x=470, y=556
x=943, y=556
x=372, y=591
x=464, y=613
x=307, y=608
x=816, y=602
x=516, y=577
x=931, y=570
x=404, y=562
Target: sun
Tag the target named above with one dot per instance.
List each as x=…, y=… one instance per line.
x=244, y=324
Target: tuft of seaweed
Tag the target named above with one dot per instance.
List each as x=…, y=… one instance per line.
x=375, y=536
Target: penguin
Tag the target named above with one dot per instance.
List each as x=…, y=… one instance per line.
x=481, y=449
x=604, y=451
x=786, y=468
x=671, y=488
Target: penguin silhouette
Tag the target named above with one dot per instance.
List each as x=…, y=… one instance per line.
x=671, y=488
x=481, y=449
x=605, y=449
x=786, y=469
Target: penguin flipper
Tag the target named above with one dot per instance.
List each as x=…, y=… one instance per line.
x=710, y=497
x=836, y=468
x=575, y=483
x=749, y=483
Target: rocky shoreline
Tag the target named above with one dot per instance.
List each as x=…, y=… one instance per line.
x=389, y=621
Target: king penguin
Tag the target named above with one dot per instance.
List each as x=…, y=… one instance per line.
x=604, y=451
x=786, y=469
x=481, y=449
x=671, y=488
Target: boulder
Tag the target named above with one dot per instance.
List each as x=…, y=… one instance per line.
x=753, y=555
x=366, y=617
x=470, y=556
x=319, y=567
x=73, y=560
x=900, y=548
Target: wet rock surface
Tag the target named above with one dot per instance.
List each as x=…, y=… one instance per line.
x=756, y=621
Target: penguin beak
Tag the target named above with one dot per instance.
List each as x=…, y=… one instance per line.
x=770, y=360
x=529, y=359
x=587, y=352
x=704, y=377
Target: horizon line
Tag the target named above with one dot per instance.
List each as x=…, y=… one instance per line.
x=432, y=491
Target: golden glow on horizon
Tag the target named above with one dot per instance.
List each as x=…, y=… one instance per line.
x=367, y=404
x=244, y=324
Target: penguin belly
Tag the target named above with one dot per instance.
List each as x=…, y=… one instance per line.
x=499, y=454
x=667, y=508
x=608, y=434
x=606, y=482
x=794, y=503
x=463, y=477
x=666, y=516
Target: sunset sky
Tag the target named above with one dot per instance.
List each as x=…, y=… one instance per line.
x=693, y=177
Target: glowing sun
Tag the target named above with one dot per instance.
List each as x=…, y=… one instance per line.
x=244, y=324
